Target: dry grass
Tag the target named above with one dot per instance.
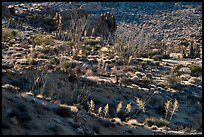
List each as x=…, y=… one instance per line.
x=175, y=108
x=128, y=108
x=119, y=106
x=173, y=81
x=105, y=110
x=167, y=107
x=91, y=106
x=140, y=104
x=99, y=111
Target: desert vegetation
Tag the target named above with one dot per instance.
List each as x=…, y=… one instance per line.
x=67, y=69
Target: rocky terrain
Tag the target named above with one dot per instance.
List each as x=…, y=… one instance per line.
x=132, y=69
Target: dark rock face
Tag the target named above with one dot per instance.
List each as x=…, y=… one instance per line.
x=6, y=12
x=12, y=10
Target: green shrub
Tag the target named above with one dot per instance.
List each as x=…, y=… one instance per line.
x=195, y=70
x=4, y=45
x=152, y=53
x=158, y=122
x=146, y=81
x=45, y=50
x=143, y=64
x=41, y=39
x=157, y=57
x=166, y=56
x=157, y=63
x=70, y=44
x=68, y=65
x=42, y=56
x=91, y=41
x=8, y=34
x=125, y=81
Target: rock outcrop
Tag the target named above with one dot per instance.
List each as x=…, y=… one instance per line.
x=102, y=25
x=91, y=25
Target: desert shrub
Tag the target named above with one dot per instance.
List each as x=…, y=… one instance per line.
x=151, y=53
x=68, y=64
x=125, y=81
x=45, y=50
x=91, y=41
x=195, y=70
x=80, y=94
x=143, y=64
x=95, y=48
x=146, y=81
x=166, y=56
x=41, y=39
x=173, y=81
x=54, y=60
x=144, y=55
x=12, y=23
x=42, y=56
x=128, y=68
x=4, y=45
x=176, y=68
x=70, y=44
x=158, y=122
x=157, y=63
x=130, y=40
x=8, y=34
x=31, y=61
x=157, y=57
